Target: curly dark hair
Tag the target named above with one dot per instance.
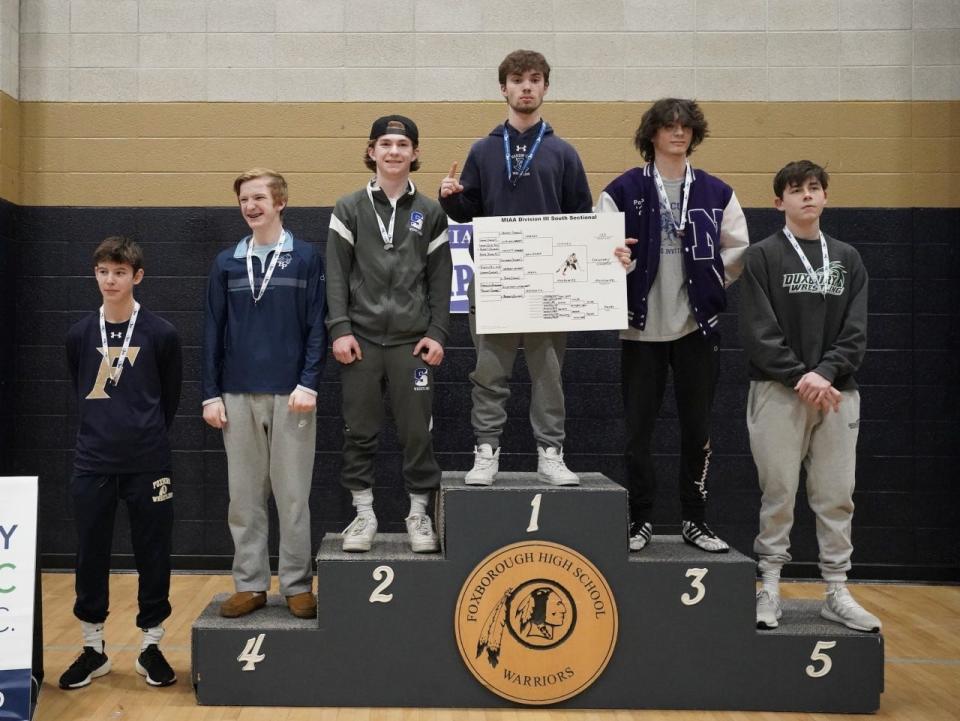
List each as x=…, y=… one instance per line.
x=519, y=61
x=666, y=112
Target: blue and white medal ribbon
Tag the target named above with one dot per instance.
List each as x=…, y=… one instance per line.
x=528, y=158
x=273, y=265
x=665, y=201
x=820, y=281
x=115, y=372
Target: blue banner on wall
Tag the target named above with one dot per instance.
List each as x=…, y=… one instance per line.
x=14, y=693
x=18, y=543
x=460, y=237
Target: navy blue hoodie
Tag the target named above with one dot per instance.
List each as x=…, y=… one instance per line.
x=554, y=183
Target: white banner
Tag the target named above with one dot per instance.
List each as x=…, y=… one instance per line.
x=546, y=273
x=18, y=545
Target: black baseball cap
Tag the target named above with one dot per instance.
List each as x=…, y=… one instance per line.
x=395, y=125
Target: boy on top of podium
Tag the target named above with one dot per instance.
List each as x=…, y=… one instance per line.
x=388, y=292
x=803, y=325
x=521, y=168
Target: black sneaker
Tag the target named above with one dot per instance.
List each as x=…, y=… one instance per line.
x=640, y=535
x=154, y=667
x=698, y=533
x=89, y=665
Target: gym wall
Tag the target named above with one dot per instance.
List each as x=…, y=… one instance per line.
x=134, y=117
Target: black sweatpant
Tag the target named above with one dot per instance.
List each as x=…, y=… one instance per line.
x=149, y=501
x=644, y=365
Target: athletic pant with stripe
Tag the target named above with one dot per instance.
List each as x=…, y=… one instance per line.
x=644, y=365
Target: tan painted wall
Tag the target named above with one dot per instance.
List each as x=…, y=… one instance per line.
x=9, y=148
x=880, y=154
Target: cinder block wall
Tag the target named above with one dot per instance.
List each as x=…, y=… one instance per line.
x=134, y=117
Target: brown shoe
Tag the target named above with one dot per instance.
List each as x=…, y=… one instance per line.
x=243, y=602
x=302, y=605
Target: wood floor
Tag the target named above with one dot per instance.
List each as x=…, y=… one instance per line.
x=921, y=627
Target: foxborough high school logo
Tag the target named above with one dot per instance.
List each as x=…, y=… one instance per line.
x=536, y=623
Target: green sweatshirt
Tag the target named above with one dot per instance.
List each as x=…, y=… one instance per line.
x=388, y=296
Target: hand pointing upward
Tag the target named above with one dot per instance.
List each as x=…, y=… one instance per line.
x=449, y=185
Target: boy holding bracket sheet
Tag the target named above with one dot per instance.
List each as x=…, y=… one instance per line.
x=521, y=168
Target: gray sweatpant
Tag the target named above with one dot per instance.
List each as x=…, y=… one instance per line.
x=496, y=353
x=785, y=432
x=269, y=448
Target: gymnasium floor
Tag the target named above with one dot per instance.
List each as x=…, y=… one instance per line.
x=922, y=670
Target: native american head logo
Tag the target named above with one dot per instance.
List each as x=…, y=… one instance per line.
x=538, y=614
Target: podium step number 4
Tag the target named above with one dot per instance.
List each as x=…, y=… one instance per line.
x=535, y=599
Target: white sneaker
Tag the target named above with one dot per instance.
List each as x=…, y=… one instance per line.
x=359, y=535
x=420, y=534
x=552, y=469
x=841, y=607
x=486, y=463
x=769, y=610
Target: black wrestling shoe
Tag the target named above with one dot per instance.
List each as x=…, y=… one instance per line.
x=698, y=533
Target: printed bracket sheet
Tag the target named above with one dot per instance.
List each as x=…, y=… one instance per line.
x=547, y=273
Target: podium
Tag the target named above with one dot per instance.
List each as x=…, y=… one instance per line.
x=535, y=599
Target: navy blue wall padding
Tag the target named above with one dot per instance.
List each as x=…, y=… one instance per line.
x=908, y=487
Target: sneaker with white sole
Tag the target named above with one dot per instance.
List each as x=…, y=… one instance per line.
x=841, y=607
x=90, y=664
x=769, y=610
x=551, y=468
x=698, y=533
x=640, y=535
x=154, y=667
x=359, y=535
x=420, y=533
x=486, y=463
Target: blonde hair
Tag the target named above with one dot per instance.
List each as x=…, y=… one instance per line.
x=275, y=181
